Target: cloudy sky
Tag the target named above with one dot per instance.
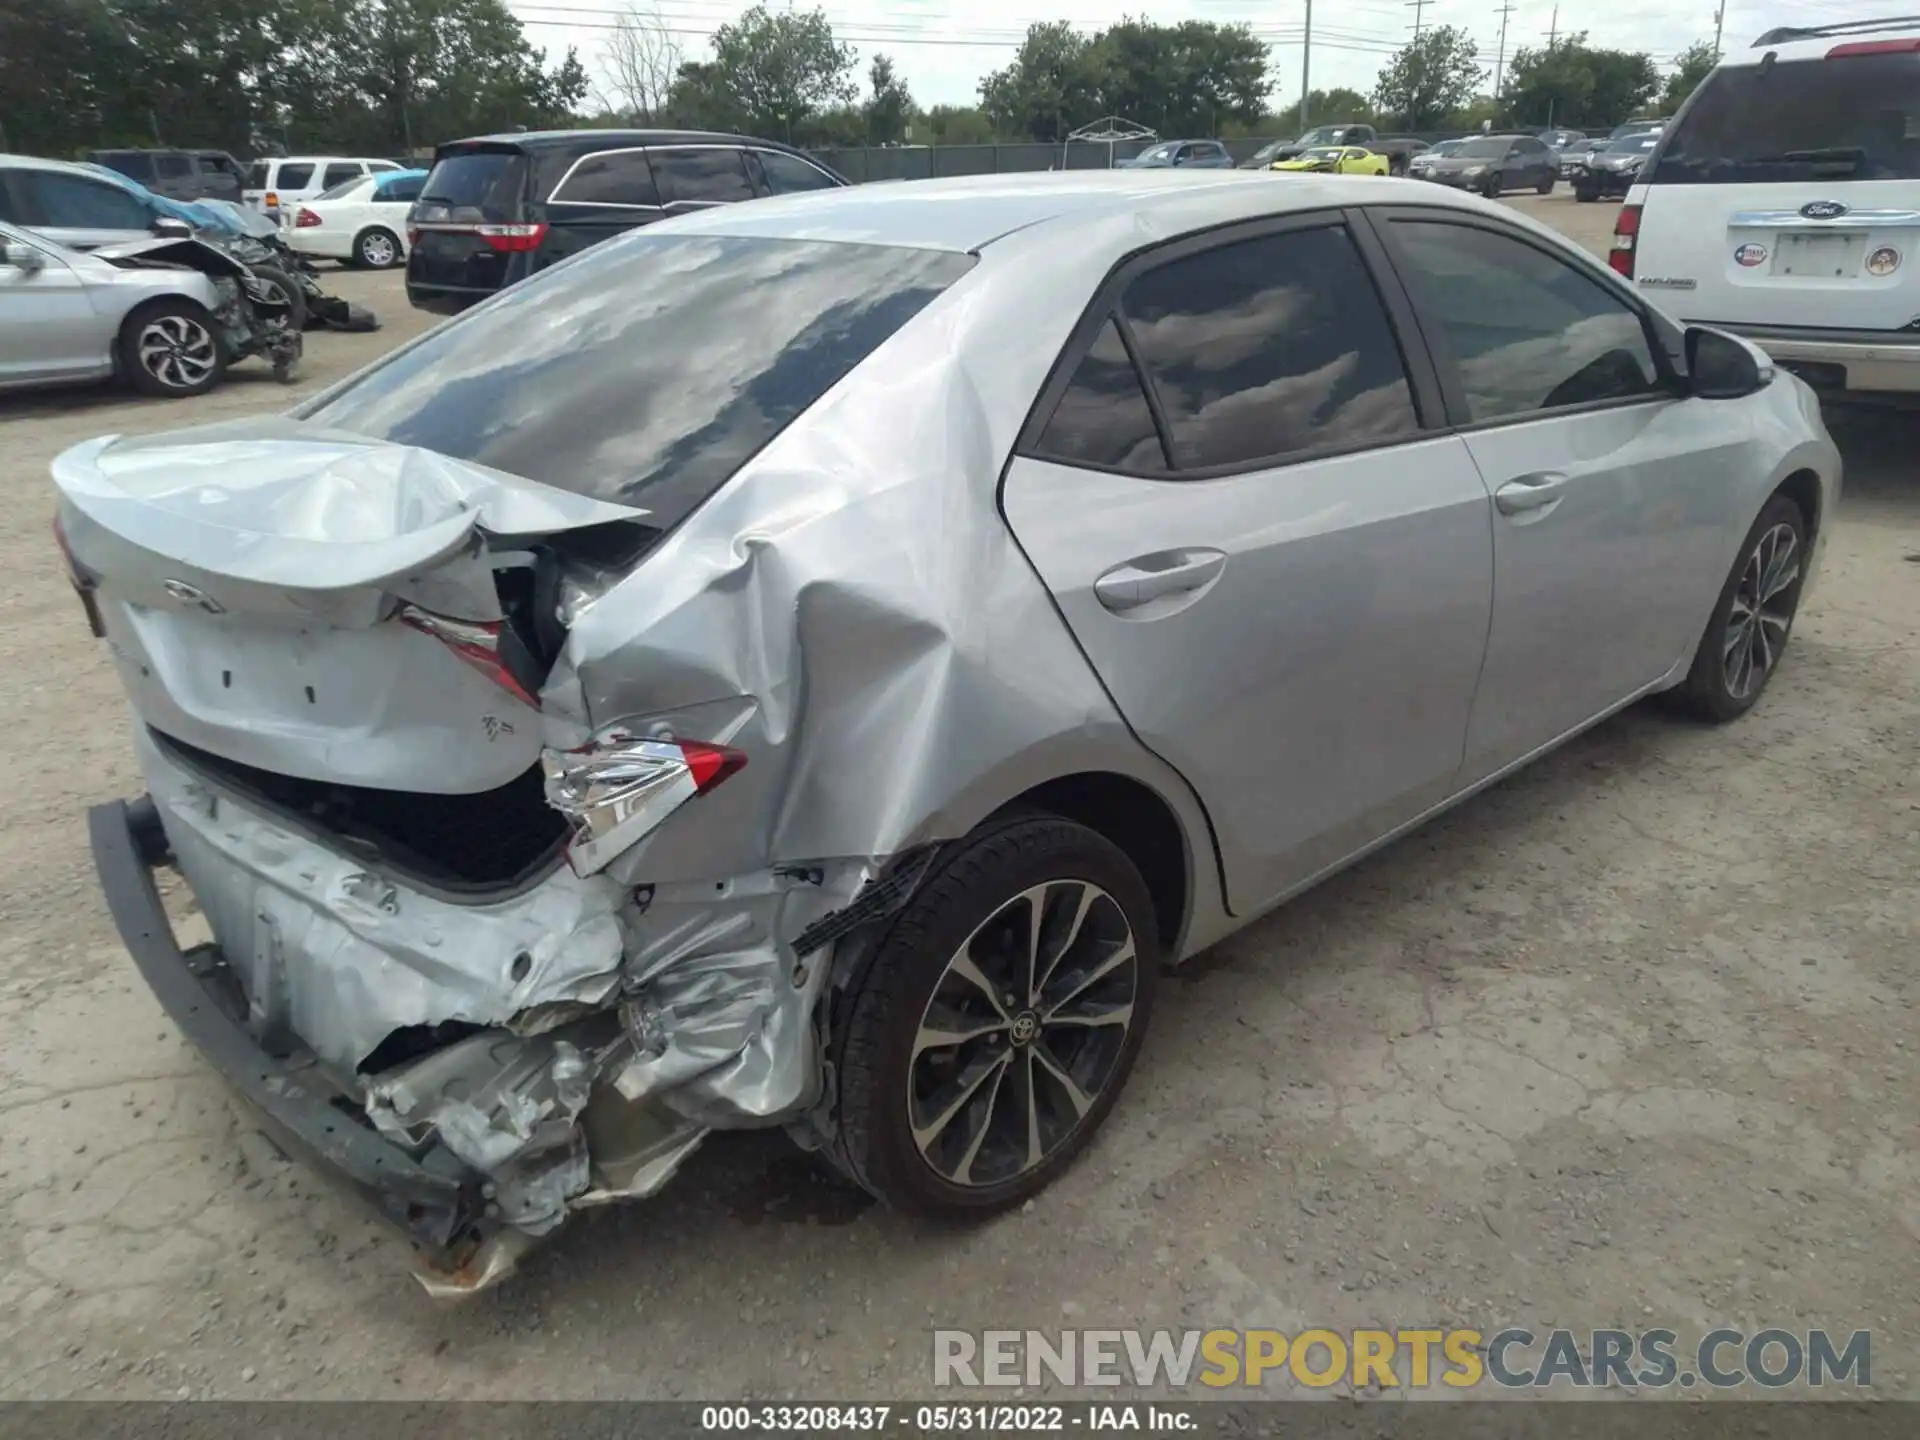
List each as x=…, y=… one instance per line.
x=943, y=47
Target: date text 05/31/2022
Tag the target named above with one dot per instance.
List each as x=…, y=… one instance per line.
x=984, y=1418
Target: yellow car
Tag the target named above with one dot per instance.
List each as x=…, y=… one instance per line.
x=1336, y=160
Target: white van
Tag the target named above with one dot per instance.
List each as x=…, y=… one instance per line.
x=1783, y=204
x=279, y=183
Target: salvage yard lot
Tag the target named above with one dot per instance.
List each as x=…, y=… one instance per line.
x=1628, y=1040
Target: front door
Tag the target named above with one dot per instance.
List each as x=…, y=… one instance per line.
x=1607, y=489
x=48, y=328
x=1281, y=577
x=698, y=177
x=82, y=213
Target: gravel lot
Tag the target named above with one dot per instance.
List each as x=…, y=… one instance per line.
x=1627, y=1041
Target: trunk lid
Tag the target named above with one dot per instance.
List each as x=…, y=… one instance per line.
x=320, y=605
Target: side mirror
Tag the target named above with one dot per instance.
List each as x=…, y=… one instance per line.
x=24, y=258
x=169, y=227
x=1720, y=367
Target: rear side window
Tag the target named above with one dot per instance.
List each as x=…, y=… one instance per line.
x=789, y=175
x=173, y=167
x=339, y=173
x=1527, y=332
x=477, y=185
x=613, y=177
x=257, y=175
x=711, y=176
x=402, y=191
x=1853, y=117
x=1269, y=347
x=130, y=163
x=294, y=177
x=650, y=368
x=1102, y=418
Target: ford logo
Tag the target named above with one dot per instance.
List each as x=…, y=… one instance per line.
x=1823, y=210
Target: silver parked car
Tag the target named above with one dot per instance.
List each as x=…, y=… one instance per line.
x=66, y=317
x=812, y=662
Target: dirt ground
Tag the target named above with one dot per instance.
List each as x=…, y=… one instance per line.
x=1627, y=1041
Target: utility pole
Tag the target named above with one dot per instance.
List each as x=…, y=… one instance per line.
x=1417, y=6
x=1500, y=60
x=1719, y=19
x=1306, y=68
x=1553, y=27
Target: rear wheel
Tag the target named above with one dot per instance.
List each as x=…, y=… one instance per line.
x=1752, y=618
x=994, y=1027
x=376, y=248
x=168, y=348
x=1584, y=195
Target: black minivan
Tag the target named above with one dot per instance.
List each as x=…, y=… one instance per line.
x=496, y=208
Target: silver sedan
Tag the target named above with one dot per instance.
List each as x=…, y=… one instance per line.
x=68, y=317
x=813, y=662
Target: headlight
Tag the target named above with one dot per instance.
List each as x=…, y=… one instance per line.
x=1473, y=170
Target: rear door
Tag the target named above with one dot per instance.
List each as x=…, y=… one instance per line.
x=1789, y=195
x=1282, y=576
x=79, y=211
x=1609, y=487
x=784, y=174
x=698, y=177
x=468, y=187
x=175, y=175
x=600, y=195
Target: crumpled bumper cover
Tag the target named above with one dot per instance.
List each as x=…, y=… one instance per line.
x=430, y=1195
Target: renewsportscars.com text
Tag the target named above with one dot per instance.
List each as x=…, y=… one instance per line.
x=1514, y=1358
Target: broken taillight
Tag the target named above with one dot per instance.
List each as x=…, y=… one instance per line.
x=489, y=646
x=83, y=580
x=616, y=791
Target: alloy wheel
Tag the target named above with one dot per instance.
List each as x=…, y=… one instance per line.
x=1762, y=611
x=1022, y=1033
x=177, y=351
x=377, y=250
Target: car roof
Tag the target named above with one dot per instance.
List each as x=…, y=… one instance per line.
x=965, y=213
x=1813, y=42
x=588, y=139
x=40, y=162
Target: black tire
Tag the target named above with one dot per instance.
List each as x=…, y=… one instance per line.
x=182, y=327
x=877, y=1068
x=384, y=246
x=1545, y=187
x=1584, y=195
x=290, y=291
x=1493, y=186
x=1712, y=690
x=1396, y=164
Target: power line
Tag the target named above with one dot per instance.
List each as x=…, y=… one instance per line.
x=1418, y=7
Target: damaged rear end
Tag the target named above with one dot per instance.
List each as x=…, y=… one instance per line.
x=420, y=746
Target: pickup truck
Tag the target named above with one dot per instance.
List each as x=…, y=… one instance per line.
x=1398, y=150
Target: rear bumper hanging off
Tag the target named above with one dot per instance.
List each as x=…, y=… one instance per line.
x=431, y=1196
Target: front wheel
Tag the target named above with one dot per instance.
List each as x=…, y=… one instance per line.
x=168, y=348
x=1584, y=195
x=291, y=294
x=1547, y=182
x=996, y=1023
x=1495, y=183
x=1752, y=618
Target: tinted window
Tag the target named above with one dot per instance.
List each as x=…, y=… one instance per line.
x=405, y=191
x=788, y=175
x=1485, y=148
x=1529, y=147
x=1527, y=331
x=71, y=202
x=1102, y=418
x=1634, y=144
x=294, y=177
x=223, y=163
x=173, y=167
x=1856, y=117
x=651, y=367
x=1269, y=347
x=257, y=175
x=619, y=177
x=339, y=173
x=342, y=190
x=131, y=163
x=484, y=184
x=706, y=176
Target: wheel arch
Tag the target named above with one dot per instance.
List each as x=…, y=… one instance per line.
x=149, y=303
x=1803, y=487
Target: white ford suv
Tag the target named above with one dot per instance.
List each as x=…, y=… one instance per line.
x=1783, y=204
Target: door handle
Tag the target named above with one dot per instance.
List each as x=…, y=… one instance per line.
x=1149, y=577
x=1527, y=493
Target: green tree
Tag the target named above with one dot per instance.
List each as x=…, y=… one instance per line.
x=1324, y=107
x=57, y=58
x=1185, y=79
x=1570, y=83
x=779, y=68
x=890, y=106
x=1431, y=76
x=958, y=125
x=1051, y=87
x=1692, y=67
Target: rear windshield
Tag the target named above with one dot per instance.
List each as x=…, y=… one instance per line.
x=1854, y=117
x=1491, y=147
x=649, y=369
x=1633, y=144
x=477, y=184
x=343, y=188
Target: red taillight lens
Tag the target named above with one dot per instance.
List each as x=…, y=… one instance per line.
x=1874, y=47
x=480, y=644
x=710, y=764
x=413, y=237
x=620, y=789
x=1626, y=231
x=306, y=219
x=512, y=238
